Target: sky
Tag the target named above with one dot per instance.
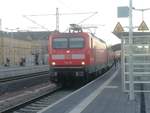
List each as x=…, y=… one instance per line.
x=12, y=15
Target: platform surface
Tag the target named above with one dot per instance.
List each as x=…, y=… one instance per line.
x=19, y=71
x=103, y=95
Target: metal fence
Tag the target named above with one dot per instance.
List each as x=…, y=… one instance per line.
x=140, y=62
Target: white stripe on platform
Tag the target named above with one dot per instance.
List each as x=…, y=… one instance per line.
x=80, y=107
x=112, y=87
x=75, y=92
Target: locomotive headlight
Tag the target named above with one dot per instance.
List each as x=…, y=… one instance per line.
x=53, y=63
x=83, y=63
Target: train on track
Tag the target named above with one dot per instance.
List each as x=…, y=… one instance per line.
x=77, y=56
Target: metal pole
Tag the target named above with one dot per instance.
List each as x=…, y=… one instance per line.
x=131, y=82
x=122, y=63
x=57, y=19
x=142, y=15
x=0, y=24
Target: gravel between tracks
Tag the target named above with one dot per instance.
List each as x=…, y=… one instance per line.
x=10, y=100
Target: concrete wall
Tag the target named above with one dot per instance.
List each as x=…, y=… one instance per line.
x=15, y=49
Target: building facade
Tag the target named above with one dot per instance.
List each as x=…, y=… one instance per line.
x=24, y=47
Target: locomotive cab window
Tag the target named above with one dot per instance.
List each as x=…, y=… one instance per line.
x=76, y=43
x=65, y=43
x=60, y=43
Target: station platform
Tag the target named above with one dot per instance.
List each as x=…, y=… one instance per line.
x=13, y=71
x=103, y=95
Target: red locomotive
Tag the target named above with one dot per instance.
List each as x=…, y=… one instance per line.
x=77, y=56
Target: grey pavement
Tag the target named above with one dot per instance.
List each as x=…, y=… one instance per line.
x=18, y=71
x=104, y=95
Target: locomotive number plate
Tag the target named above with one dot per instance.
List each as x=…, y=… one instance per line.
x=68, y=56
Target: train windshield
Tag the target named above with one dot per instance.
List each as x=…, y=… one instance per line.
x=76, y=43
x=64, y=43
x=60, y=43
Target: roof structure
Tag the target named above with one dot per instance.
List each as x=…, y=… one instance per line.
x=33, y=35
x=120, y=34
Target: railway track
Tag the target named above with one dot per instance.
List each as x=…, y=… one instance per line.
x=38, y=102
x=41, y=102
x=30, y=100
x=24, y=84
x=13, y=83
x=25, y=96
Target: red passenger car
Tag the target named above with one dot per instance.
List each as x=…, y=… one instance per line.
x=77, y=55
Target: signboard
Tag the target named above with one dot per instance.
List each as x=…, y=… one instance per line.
x=118, y=28
x=143, y=26
x=123, y=12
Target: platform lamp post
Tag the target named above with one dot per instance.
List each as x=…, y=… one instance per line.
x=131, y=82
x=124, y=12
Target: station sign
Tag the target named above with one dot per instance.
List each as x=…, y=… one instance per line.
x=123, y=12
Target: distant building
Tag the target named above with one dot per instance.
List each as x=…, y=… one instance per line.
x=17, y=45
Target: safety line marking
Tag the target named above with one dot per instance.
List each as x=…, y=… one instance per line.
x=84, y=103
x=113, y=87
x=62, y=99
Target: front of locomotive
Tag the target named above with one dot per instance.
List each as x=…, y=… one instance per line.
x=67, y=56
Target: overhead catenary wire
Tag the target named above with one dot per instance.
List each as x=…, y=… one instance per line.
x=54, y=14
x=33, y=21
x=28, y=17
x=142, y=10
x=94, y=13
